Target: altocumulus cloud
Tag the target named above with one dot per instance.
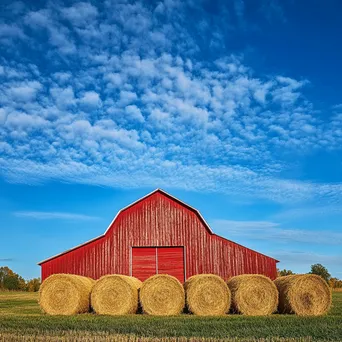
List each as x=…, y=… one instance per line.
x=128, y=100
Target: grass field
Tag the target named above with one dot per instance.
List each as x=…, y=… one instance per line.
x=21, y=320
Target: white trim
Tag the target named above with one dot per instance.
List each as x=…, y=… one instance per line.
x=165, y=193
x=71, y=249
x=131, y=261
x=189, y=206
x=184, y=261
x=123, y=209
x=156, y=260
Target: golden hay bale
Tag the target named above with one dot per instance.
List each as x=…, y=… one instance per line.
x=253, y=295
x=115, y=294
x=303, y=294
x=162, y=295
x=207, y=295
x=65, y=294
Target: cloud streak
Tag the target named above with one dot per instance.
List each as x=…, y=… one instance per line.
x=305, y=258
x=306, y=212
x=266, y=230
x=43, y=215
x=6, y=259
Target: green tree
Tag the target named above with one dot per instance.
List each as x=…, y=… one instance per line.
x=33, y=285
x=10, y=280
x=321, y=271
x=335, y=283
x=22, y=286
x=5, y=272
x=284, y=272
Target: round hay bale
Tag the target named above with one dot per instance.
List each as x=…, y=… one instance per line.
x=303, y=294
x=253, y=295
x=115, y=294
x=65, y=294
x=207, y=295
x=162, y=295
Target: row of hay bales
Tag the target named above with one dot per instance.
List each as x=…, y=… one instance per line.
x=203, y=294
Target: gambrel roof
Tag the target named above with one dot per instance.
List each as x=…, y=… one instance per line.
x=201, y=218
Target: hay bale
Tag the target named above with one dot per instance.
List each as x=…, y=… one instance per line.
x=303, y=294
x=115, y=294
x=207, y=295
x=253, y=295
x=65, y=294
x=162, y=295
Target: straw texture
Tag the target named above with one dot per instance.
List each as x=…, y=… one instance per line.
x=253, y=295
x=207, y=295
x=115, y=295
x=65, y=294
x=303, y=294
x=162, y=295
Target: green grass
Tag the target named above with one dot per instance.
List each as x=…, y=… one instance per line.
x=20, y=314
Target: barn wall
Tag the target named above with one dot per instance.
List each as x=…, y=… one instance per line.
x=160, y=221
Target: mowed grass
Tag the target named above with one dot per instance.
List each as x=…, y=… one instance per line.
x=20, y=316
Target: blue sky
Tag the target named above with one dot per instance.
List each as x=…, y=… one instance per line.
x=234, y=107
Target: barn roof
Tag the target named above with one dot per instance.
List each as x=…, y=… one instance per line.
x=132, y=204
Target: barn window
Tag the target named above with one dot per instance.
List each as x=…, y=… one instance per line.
x=147, y=261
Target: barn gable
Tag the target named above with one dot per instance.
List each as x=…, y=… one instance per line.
x=157, y=195
x=163, y=232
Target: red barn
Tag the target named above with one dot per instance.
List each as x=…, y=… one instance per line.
x=159, y=234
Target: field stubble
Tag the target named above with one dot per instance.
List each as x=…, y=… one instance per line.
x=22, y=320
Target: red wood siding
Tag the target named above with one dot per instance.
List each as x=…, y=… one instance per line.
x=147, y=261
x=171, y=261
x=144, y=262
x=159, y=220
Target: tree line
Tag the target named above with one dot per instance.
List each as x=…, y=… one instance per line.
x=320, y=270
x=12, y=281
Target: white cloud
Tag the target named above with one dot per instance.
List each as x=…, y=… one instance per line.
x=260, y=95
x=62, y=77
x=292, y=83
x=25, y=91
x=23, y=120
x=11, y=31
x=38, y=19
x=91, y=99
x=134, y=113
x=338, y=106
x=118, y=98
x=3, y=115
x=265, y=230
x=127, y=97
x=305, y=212
x=296, y=258
x=5, y=148
x=114, y=78
x=64, y=97
x=80, y=14
x=59, y=36
x=160, y=119
x=43, y=215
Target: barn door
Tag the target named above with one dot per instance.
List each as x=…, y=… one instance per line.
x=147, y=261
x=144, y=262
x=171, y=261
